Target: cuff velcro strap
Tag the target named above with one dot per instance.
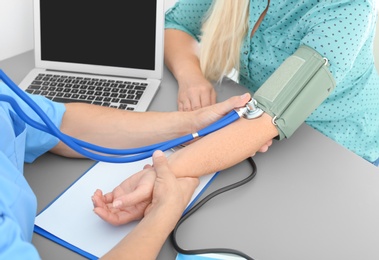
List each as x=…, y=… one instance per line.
x=295, y=90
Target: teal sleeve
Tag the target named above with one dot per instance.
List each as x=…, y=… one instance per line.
x=343, y=32
x=187, y=16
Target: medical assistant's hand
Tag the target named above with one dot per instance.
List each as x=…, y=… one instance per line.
x=142, y=192
x=135, y=193
x=208, y=115
x=171, y=195
x=195, y=92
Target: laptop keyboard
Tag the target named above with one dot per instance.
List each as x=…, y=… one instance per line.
x=104, y=92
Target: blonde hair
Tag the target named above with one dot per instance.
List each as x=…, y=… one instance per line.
x=224, y=28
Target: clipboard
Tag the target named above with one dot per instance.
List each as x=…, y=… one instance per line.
x=69, y=220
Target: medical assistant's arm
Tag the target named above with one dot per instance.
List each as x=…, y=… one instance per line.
x=124, y=129
x=116, y=128
x=224, y=148
x=170, y=196
x=147, y=238
x=181, y=58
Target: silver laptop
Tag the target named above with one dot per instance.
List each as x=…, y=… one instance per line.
x=107, y=53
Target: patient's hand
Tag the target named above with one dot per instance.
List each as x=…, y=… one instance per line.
x=128, y=201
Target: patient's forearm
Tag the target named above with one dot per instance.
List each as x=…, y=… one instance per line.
x=224, y=148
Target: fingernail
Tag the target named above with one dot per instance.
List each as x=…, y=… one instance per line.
x=158, y=153
x=117, y=204
x=243, y=96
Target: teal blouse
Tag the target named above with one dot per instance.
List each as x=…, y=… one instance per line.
x=341, y=30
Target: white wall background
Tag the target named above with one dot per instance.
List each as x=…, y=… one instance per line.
x=16, y=27
x=16, y=33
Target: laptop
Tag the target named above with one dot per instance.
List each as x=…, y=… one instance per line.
x=107, y=53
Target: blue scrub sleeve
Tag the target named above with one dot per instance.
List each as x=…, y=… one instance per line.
x=17, y=211
x=38, y=142
x=12, y=246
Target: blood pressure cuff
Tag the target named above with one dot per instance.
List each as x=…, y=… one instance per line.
x=295, y=90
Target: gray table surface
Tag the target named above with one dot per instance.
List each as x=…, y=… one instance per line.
x=311, y=198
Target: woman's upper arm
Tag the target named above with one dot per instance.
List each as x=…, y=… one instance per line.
x=340, y=31
x=187, y=16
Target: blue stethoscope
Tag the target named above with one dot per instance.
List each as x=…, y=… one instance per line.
x=99, y=153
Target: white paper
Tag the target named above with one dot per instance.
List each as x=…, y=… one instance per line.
x=71, y=218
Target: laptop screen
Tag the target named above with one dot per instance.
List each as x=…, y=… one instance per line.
x=105, y=33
